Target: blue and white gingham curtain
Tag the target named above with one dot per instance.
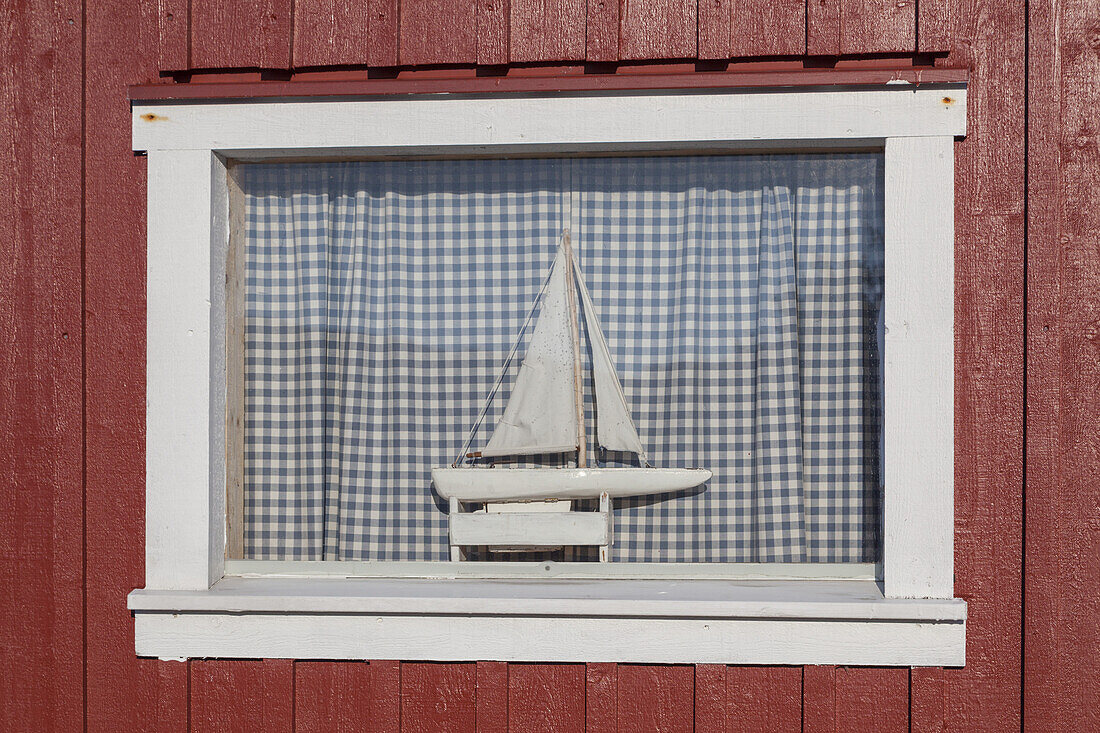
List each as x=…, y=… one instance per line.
x=739, y=296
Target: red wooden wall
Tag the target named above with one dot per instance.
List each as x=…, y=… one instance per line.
x=72, y=244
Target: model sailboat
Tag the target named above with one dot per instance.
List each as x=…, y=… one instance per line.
x=545, y=414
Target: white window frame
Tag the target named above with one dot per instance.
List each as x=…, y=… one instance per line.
x=196, y=604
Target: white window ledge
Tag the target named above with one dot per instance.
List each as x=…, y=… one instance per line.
x=649, y=621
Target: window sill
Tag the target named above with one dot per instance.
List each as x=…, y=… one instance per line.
x=647, y=621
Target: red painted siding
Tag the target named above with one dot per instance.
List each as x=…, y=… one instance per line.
x=72, y=306
x=1062, y=633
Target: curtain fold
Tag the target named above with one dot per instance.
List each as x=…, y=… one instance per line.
x=739, y=296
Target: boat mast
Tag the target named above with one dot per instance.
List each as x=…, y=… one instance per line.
x=574, y=331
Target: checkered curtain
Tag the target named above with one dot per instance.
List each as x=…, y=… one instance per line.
x=739, y=295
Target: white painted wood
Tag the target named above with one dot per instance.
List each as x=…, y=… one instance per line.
x=609, y=521
x=769, y=599
x=186, y=400
x=919, y=368
x=550, y=569
x=551, y=639
x=529, y=529
x=523, y=484
x=549, y=506
x=454, y=508
x=185, y=464
x=556, y=122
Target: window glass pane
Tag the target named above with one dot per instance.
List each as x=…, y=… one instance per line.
x=739, y=297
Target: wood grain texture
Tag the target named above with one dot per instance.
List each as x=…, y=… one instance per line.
x=385, y=701
x=835, y=27
x=878, y=26
x=989, y=314
x=869, y=698
x=1061, y=635
x=174, y=35
x=241, y=695
x=601, y=707
x=331, y=32
x=493, y=31
x=926, y=711
x=41, y=611
x=236, y=326
x=776, y=28
x=438, y=698
x=546, y=697
x=437, y=32
x=652, y=697
x=714, y=29
x=819, y=699
x=766, y=699
x=241, y=34
x=492, y=697
x=547, y=30
x=823, y=27
x=657, y=29
x=123, y=692
x=331, y=696
x=602, y=30
x=711, y=700
x=382, y=34
x=39, y=409
x=935, y=23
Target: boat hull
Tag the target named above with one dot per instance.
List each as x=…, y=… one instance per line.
x=539, y=484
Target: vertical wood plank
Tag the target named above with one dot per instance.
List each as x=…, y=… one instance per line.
x=602, y=30
x=657, y=29
x=989, y=315
x=234, y=368
x=711, y=700
x=548, y=30
x=917, y=368
x=382, y=34
x=493, y=40
x=819, y=699
x=437, y=32
x=41, y=432
x=330, y=32
x=656, y=697
x=935, y=20
x=123, y=692
x=926, y=711
x=765, y=698
x=869, y=698
x=492, y=697
x=174, y=35
x=1061, y=634
x=438, y=698
x=331, y=696
x=714, y=29
x=865, y=26
x=546, y=697
x=776, y=28
x=235, y=34
x=878, y=26
x=823, y=27
x=385, y=697
x=244, y=695
x=601, y=704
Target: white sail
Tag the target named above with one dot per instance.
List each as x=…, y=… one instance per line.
x=614, y=428
x=540, y=416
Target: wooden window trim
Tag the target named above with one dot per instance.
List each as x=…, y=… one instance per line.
x=190, y=148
